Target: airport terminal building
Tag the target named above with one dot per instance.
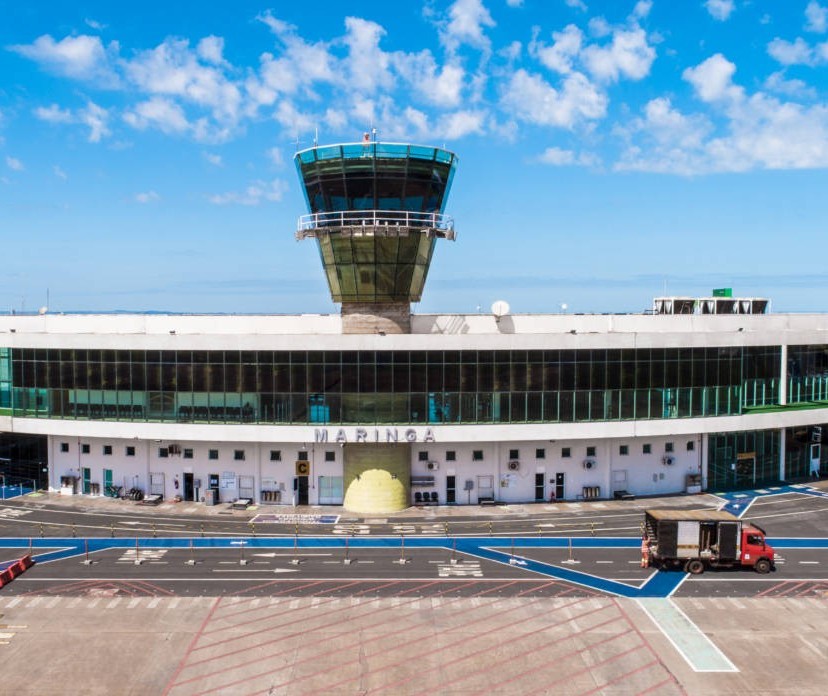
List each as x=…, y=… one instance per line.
x=379, y=409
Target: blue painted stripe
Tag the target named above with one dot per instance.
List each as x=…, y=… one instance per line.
x=660, y=583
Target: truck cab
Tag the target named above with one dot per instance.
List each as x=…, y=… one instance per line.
x=755, y=552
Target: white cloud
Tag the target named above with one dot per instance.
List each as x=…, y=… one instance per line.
x=460, y=124
x=334, y=119
x=274, y=154
x=576, y=4
x=466, y=25
x=817, y=17
x=59, y=173
x=438, y=85
x=256, y=192
x=173, y=69
x=566, y=46
x=147, y=197
x=599, y=27
x=530, y=98
x=96, y=118
x=776, y=82
x=511, y=52
x=628, y=55
x=514, y=3
x=712, y=79
x=53, y=114
x=785, y=52
x=720, y=9
x=755, y=131
x=14, y=164
x=367, y=64
x=81, y=57
x=642, y=8
x=211, y=49
x=158, y=112
x=213, y=159
x=558, y=157
x=770, y=134
x=98, y=26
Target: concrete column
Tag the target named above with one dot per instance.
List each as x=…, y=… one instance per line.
x=783, y=376
x=781, y=454
x=497, y=471
x=258, y=490
x=703, y=459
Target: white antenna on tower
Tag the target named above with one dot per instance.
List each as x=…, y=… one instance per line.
x=315, y=136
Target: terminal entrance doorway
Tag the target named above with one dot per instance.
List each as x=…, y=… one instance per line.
x=300, y=490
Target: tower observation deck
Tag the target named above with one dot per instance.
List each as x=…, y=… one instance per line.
x=376, y=210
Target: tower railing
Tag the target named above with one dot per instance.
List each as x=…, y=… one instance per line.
x=375, y=223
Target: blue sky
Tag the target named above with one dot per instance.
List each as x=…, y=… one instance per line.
x=609, y=151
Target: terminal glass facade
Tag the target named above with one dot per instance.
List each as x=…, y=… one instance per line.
x=372, y=387
x=742, y=460
x=807, y=374
x=376, y=176
x=5, y=380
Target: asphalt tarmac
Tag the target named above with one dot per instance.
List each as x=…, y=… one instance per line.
x=516, y=599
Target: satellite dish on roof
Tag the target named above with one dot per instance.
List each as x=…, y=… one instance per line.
x=43, y=310
x=500, y=309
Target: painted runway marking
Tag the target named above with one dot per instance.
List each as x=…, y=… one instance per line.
x=695, y=647
x=470, y=569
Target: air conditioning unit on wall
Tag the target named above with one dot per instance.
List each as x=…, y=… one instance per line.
x=589, y=463
x=667, y=460
x=514, y=465
x=433, y=466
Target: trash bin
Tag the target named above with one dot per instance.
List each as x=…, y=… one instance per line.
x=211, y=496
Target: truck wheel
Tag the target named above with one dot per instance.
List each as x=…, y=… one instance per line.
x=762, y=566
x=694, y=566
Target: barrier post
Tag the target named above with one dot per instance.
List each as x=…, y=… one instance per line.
x=202, y=531
x=111, y=530
x=347, y=559
x=592, y=528
x=41, y=530
x=296, y=560
x=74, y=533
x=453, y=559
x=490, y=528
x=570, y=560
x=191, y=561
x=402, y=560
x=154, y=534
x=137, y=560
x=86, y=561
x=242, y=560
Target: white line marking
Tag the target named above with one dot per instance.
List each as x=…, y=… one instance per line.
x=686, y=632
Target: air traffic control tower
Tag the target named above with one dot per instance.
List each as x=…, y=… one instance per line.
x=376, y=210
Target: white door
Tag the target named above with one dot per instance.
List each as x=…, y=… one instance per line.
x=485, y=488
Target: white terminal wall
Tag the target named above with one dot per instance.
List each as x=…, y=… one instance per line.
x=644, y=474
